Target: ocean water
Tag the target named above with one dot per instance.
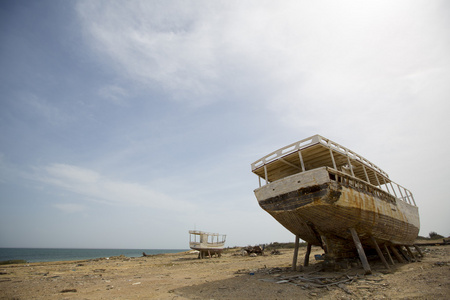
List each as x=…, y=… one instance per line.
x=61, y=254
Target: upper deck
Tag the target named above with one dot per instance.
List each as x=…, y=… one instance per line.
x=201, y=237
x=315, y=152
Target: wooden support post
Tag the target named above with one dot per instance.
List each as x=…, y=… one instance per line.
x=332, y=158
x=301, y=160
x=404, y=253
x=362, y=255
x=418, y=250
x=308, y=252
x=389, y=254
x=397, y=255
x=350, y=166
x=265, y=174
x=410, y=253
x=380, y=254
x=294, y=260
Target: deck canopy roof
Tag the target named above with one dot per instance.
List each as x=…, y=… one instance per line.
x=315, y=152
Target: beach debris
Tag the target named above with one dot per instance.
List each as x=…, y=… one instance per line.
x=312, y=281
x=344, y=288
x=316, y=281
x=441, y=263
x=99, y=270
x=243, y=271
x=249, y=250
x=319, y=257
x=69, y=291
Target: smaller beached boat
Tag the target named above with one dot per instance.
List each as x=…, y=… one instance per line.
x=206, y=243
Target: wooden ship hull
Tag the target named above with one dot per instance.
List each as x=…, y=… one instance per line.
x=324, y=194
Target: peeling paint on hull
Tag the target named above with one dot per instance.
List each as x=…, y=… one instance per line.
x=321, y=211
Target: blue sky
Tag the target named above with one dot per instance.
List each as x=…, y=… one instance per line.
x=123, y=124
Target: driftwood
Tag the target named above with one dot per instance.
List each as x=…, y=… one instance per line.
x=69, y=291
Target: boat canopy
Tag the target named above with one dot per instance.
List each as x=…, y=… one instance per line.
x=316, y=152
x=197, y=236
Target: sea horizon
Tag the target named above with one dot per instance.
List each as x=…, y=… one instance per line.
x=38, y=254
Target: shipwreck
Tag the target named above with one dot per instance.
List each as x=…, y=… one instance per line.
x=329, y=196
x=206, y=243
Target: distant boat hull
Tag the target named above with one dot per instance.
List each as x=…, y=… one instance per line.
x=321, y=205
x=206, y=248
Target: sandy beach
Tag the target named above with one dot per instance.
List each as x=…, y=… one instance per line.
x=233, y=276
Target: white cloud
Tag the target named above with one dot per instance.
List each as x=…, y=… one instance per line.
x=100, y=188
x=309, y=58
x=152, y=43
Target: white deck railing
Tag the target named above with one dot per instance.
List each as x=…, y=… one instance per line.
x=355, y=182
x=403, y=193
x=305, y=143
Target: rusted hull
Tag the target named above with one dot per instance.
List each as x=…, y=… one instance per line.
x=321, y=211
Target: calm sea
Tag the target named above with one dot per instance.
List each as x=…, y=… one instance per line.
x=55, y=254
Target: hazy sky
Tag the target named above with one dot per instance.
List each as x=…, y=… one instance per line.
x=124, y=124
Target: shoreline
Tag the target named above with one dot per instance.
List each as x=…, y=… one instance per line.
x=32, y=255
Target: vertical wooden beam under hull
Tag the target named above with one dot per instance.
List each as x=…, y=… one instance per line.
x=413, y=257
x=294, y=260
x=362, y=255
x=403, y=253
x=418, y=250
x=380, y=254
x=397, y=255
x=389, y=254
x=307, y=254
